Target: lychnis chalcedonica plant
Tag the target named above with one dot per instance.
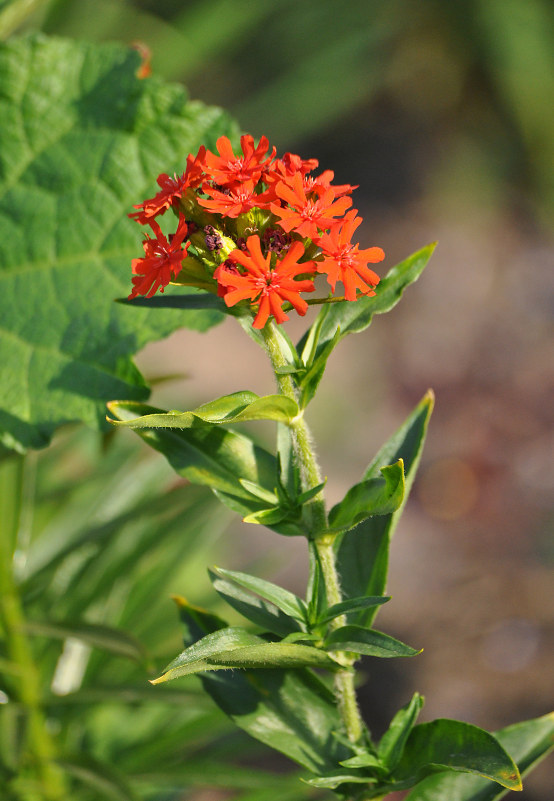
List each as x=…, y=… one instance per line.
x=258, y=236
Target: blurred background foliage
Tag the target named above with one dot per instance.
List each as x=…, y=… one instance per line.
x=443, y=113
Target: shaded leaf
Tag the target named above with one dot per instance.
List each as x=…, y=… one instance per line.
x=107, y=638
x=209, y=455
x=99, y=776
x=291, y=711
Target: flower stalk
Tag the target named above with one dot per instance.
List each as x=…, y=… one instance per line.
x=317, y=521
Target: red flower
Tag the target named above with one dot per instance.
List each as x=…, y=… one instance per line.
x=171, y=189
x=162, y=259
x=227, y=168
x=237, y=200
x=269, y=288
x=320, y=183
x=344, y=262
x=287, y=167
x=307, y=215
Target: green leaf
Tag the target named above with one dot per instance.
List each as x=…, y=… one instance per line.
x=454, y=745
x=291, y=711
x=332, y=782
x=391, y=745
x=309, y=381
x=528, y=743
x=107, y=638
x=362, y=553
x=262, y=613
x=99, y=776
x=236, y=408
x=289, y=603
x=82, y=139
x=373, y=496
x=208, y=455
x=366, y=760
x=234, y=647
x=367, y=642
x=259, y=492
x=340, y=319
x=352, y=605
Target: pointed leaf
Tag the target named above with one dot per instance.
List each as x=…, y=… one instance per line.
x=362, y=553
x=283, y=599
x=366, y=760
x=394, y=739
x=82, y=139
x=236, y=408
x=352, y=605
x=259, y=492
x=454, y=745
x=291, y=711
x=217, y=642
x=373, y=496
x=367, y=642
x=355, y=317
x=99, y=776
x=262, y=613
x=332, y=782
x=235, y=647
x=97, y=635
x=340, y=319
x=528, y=743
x=206, y=454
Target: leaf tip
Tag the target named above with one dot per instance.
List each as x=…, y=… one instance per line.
x=180, y=600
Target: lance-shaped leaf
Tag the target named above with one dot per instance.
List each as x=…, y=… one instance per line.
x=96, y=635
x=391, y=745
x=235, y=408
x=288, y=602
x=334, y=781
x=261, y=613
x=81, y=140
x=207, y=454
x=291, y=711
x=234, y=647
x=336, y=320
x=363, y=552
x=457, y=746
x=528, y=743
x=351, y=605
x=373, y=496
x=368, y=642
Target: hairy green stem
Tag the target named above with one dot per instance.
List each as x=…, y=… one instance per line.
x=317, y=521
x=26, y=684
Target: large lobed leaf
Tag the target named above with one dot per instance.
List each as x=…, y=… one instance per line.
x=81, y=140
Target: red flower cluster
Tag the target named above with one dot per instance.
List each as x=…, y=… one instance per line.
x=261, y=226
